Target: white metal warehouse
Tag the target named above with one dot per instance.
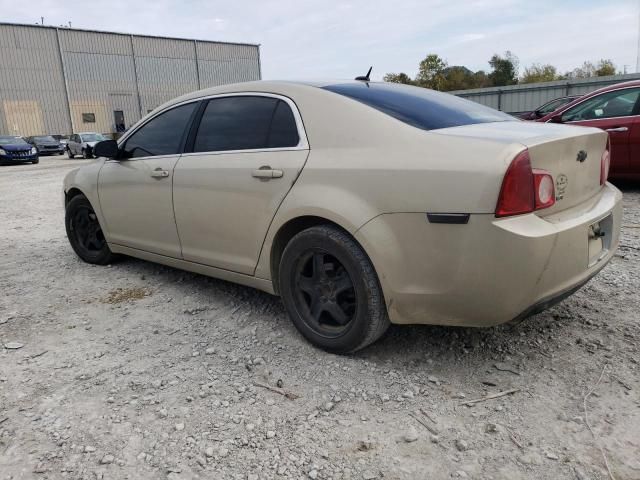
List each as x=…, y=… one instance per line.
x=56, y=80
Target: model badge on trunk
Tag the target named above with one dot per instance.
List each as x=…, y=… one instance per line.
x=561, y=186
x=582, y=156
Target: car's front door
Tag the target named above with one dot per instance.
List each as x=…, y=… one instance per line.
x=246, y=153
x=135, y=189
x=615, y=112
x=72, y=144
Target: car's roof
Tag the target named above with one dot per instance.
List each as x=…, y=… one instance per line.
x=266, y=86
x=616, y=86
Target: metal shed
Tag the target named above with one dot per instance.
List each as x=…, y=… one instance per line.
x=529, y=96
x=56, y=80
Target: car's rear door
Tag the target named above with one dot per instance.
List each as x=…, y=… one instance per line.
x=135, y=191
x=615, y=112
x=246, y=153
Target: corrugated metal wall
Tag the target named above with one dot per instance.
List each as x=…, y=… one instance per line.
x=50, y=77
x=526, y=97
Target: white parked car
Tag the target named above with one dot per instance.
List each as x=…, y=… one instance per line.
x=83, y=143
x=360, y=203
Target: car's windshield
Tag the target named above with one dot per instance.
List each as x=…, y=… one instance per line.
x=8, y=140
x=553, y=105
x=419, y=107
x=45, y=138
x=92, y=137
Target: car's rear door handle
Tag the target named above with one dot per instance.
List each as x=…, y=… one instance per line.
x=618, y=129
x=159, y=173
x=267, y=172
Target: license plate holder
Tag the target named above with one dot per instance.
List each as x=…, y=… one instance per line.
x=599, y=239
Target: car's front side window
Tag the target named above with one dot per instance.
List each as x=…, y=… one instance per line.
x=618, y=103
x=246, y=123
x=161, y=135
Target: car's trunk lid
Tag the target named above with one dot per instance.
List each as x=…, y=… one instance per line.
x=572, y=155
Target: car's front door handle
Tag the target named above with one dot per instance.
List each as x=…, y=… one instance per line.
x=159, y=173
x=618, y=129
x=267, y=172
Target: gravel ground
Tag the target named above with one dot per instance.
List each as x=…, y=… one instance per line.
x=145, y=372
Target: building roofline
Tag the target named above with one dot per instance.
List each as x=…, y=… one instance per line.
x=90, y=30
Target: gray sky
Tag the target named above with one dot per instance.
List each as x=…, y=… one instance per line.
x=305, y=39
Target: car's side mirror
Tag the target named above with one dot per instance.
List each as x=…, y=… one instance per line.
x=556, y=118
x=538, y=114
x=106, y=148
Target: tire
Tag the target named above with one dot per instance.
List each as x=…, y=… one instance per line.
x=330, y=313
x=69, y=154
x=35, y=162
x=86, y=155
x=85, y=233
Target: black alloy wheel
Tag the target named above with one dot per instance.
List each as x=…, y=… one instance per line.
x=324, y=293
x=85, y=233
x=331, y=291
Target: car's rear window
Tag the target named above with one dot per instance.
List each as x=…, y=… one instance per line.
x=419, y=107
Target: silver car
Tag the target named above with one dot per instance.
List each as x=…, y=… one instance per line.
x=83, y=143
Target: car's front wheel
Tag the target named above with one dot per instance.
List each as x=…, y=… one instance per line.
x=69, y=154
x=85, y=233
x=37, y=160
x=331, y=291
x=86, y=154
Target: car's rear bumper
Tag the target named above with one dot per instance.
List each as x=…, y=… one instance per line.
x=490, y=270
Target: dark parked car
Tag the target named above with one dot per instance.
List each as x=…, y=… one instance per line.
x=614, y=109
x=46, y=145
x=16, y=150
x=547, y=108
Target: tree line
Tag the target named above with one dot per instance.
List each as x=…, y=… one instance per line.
x=435, y=73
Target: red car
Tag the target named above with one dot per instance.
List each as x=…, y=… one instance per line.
x=615, y=109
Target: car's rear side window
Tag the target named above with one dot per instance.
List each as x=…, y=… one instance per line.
x=419, y=107
x=246, y=123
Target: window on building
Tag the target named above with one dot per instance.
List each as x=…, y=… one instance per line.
x=88, y=118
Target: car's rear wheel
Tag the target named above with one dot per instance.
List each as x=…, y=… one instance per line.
x=331, y=291
x=85, y=233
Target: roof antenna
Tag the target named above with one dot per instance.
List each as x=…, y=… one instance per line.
x=366, y=77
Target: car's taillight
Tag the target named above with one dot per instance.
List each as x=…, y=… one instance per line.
x=545, y=191
x=523, y=189
x=605, y=163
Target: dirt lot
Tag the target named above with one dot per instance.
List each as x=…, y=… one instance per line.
x=144, y=372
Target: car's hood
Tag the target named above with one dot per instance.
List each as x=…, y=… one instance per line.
x=91, y=144
x=16, y=147
x=47, y=144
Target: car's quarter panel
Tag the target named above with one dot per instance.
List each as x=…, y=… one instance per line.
x=223, y=211
x=488, y=271
x=136, y=202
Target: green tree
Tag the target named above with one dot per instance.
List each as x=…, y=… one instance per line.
x=605, y=67
x=504, y=69
x=540, y=73
x=480, y=79
x=431, y=72
x=398, y=78
x=587, y=70
x=457, y=78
